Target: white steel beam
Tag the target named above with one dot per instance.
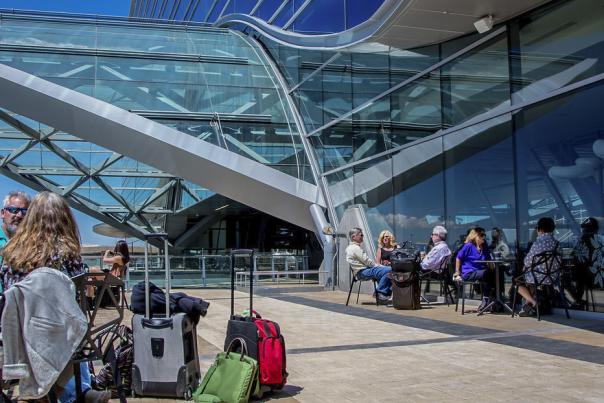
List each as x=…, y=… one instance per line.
x=224, y=172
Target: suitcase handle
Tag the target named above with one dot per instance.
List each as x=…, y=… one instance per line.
x=158, y=323
x=241, y=252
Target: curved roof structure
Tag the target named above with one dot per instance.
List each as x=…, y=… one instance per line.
x=402, y=24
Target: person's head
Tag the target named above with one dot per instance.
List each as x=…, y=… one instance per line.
x=386, y=239
x=14, y=209
x=546, y=225
x=590, y=226
x=121, y=248
x=497, y=235
x=439, y=233
x=47, y=230
x=356, y=235
x=477, y=236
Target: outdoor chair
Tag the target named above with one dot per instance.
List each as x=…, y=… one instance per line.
x=442, y=275
x=461, y=293
x=90, y=349
x=546, y=268
x=355, y=279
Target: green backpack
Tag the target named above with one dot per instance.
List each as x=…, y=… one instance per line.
x=231, y=379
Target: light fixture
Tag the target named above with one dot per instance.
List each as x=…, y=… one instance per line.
x=484, y=24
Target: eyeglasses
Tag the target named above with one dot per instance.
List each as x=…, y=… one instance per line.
x=435, y=235
x=16, y=210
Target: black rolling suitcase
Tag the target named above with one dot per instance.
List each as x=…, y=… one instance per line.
x=242, y=326
x=165, y=348
x=406, y=290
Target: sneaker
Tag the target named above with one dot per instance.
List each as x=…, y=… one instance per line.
x=527, y=311
x=97, y=396
x=384, y=299
x=483, y=304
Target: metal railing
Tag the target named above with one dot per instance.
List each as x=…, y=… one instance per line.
x=209, y=270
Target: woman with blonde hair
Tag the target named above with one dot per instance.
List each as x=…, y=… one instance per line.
x=48, y=240
x=467, y=266
x=386, y=244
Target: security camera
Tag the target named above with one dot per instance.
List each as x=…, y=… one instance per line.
x=484, y=24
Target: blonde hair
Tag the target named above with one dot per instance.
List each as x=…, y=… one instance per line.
x=473, y=236
x=381, y=239
x=47, y=229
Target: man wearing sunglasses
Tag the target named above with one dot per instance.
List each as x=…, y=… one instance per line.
x=13, y=211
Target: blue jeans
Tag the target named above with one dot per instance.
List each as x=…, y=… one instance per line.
x=69, y=394
x=379, y=273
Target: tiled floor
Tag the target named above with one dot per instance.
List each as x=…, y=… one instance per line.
x=364, y=353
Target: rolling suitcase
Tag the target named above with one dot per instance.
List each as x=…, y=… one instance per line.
x=406, y=290
x=165, y=348
x=262, y=337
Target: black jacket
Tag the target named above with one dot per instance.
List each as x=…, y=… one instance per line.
x=179, y=302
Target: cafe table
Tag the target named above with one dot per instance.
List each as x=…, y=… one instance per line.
x=496, y=264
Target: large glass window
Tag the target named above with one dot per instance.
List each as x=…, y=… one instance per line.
x=476, y=82
x=479, y=178
x=558, y=46
x=358, y=11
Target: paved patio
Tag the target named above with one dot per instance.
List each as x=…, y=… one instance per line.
x=364, y=353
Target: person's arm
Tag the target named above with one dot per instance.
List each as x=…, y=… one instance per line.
x=378, y=256
x=108, y=258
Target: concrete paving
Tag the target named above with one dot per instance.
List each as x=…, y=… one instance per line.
x=364, y=353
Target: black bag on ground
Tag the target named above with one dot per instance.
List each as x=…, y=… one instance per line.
x=405, y=290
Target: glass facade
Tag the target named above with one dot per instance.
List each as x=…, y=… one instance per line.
x=493, y=130
x=212, y=84
x=505, y=131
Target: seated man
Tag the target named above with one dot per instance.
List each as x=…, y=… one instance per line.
x=364, y=268
x=440, y=251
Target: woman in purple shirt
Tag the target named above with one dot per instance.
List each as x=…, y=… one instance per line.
x=467, y=268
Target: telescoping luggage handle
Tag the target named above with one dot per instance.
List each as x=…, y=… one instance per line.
x=241, y=252
x=159, y=236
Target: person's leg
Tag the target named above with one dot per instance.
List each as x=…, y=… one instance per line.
x=69, y=392
x=384, y=282
x=526, y=294
x=379, y=273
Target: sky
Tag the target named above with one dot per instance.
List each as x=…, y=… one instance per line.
x=103, y=7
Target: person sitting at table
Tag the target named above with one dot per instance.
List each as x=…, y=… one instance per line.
x=439, y=252
x=386, y=244
x=365, y=268
x=545, y=242
x=584, y=259
x=468, y=267
x=498, y=246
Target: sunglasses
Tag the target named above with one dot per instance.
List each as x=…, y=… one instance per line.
x=16, y=210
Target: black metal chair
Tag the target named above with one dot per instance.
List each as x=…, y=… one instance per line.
x=90, y=349
x=440, y=274
x=461, y=293
x=354, y=279
x=546, y=269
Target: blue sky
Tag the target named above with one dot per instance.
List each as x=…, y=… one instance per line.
x=104, y=7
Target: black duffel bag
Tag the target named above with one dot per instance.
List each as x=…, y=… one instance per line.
x=405, y=260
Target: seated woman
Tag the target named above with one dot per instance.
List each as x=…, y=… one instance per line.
x=545, y=242
x=386, y=244
x=499, y=248
x=118, y=259
x=467, y=267
x=46, y=247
